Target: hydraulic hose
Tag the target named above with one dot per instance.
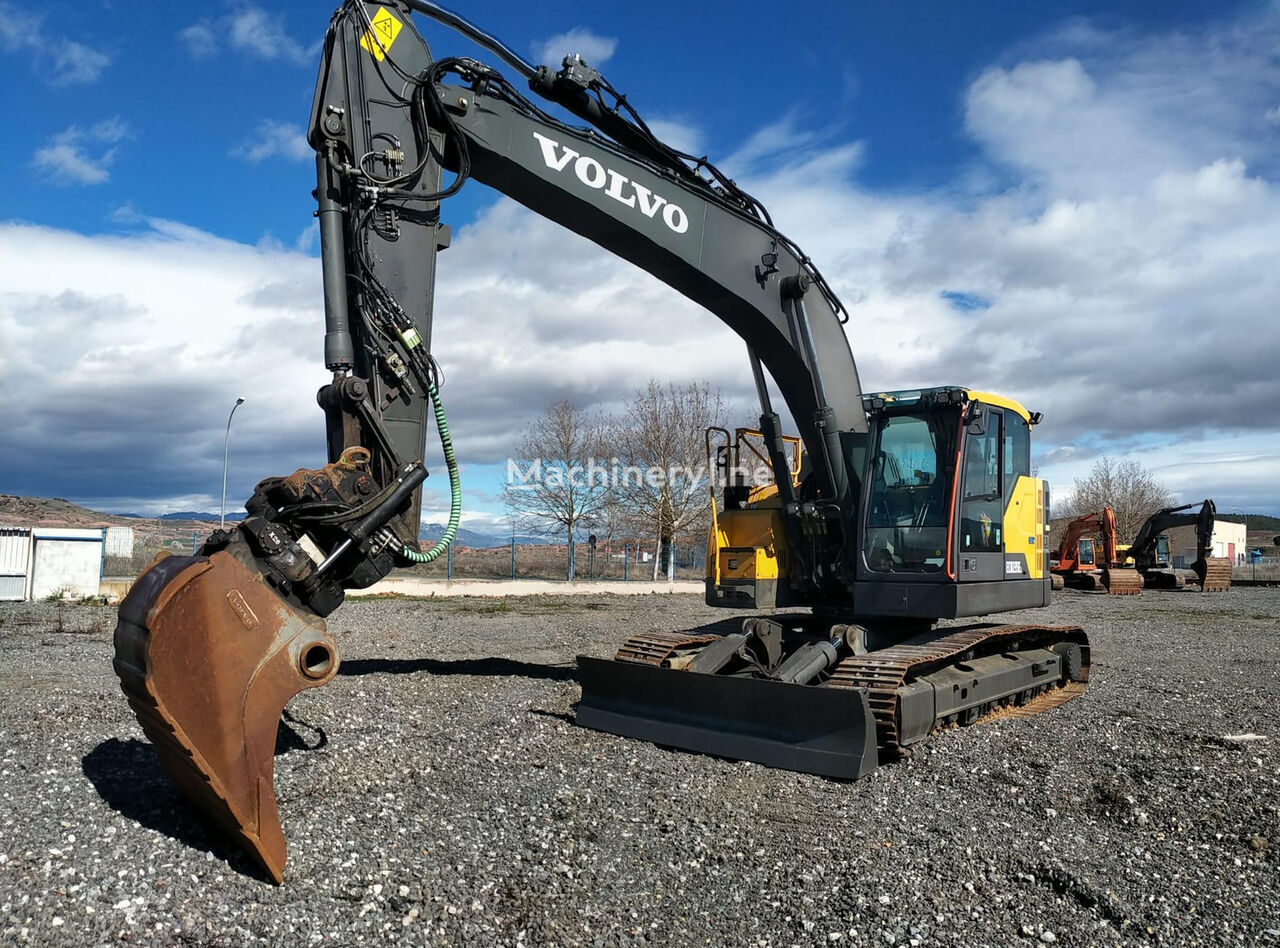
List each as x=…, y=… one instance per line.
x=455, y=486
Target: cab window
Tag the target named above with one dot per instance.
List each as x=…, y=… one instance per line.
x=908, y=508
x=1017, y=451
x=982, y=497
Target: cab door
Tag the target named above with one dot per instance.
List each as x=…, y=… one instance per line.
x=981, y=501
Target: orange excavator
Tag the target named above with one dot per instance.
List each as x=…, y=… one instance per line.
x=1076, y=564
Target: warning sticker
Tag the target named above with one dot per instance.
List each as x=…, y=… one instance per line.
x=385, y=30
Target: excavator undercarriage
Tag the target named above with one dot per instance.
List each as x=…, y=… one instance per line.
x=855, y=707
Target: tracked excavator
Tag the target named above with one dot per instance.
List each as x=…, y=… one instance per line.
x=906, y=507
x=1075, y=563
x=1151, y=557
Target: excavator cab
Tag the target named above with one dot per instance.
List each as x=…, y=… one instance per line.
x=949, y=522
x=952, y=522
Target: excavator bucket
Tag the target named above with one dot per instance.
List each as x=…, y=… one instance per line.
x=1214, y=573
x=208, y=656
x=1122, y=582
x=826, y=731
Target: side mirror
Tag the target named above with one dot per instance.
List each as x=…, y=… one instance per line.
x=976, y=420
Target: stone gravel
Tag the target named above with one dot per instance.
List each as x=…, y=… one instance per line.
x=438, y=792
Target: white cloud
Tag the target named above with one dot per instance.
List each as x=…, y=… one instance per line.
x=1130, y=264
x=140, y=344
x=75, y=63
x=782, y=139
x=1087, y=111
x=67, y=156
x=200, y=39
x=272, y=139
x=593, y=48
x=436, y=511
x=681, y=135
x=60, y=60
x=1131, y=280
x=251, y=30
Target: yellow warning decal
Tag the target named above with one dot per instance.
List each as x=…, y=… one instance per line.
x=385, y=30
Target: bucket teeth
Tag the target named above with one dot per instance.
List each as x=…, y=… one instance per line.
x=208, y=656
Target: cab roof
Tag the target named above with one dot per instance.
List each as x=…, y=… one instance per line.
x=947, y=393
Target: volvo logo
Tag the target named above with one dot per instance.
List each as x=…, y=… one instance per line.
x=617, y=186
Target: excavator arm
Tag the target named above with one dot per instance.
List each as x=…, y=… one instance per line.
x=383, y=125
x=1143, y=549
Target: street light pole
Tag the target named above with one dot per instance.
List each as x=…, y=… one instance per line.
x=226, y=443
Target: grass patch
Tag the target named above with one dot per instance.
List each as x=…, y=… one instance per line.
x=491, y=607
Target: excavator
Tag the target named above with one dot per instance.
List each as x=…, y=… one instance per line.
x=906, y=507
x=1150, y=550
x=1075, y=562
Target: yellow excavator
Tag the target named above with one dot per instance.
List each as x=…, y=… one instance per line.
x=890, y=511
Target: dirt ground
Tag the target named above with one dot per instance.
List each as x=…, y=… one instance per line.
x=438, y=792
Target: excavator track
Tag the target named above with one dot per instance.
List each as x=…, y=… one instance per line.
x=881, y=673
x=658, y=648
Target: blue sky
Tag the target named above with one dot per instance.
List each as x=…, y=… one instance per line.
x=889, y=73
x=1073, y=203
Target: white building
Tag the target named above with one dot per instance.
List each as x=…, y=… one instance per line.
x=38, y=562
x=1228, y=541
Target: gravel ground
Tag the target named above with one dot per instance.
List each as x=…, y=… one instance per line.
x=438, y=792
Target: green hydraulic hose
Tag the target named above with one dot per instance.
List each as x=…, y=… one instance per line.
x=455, y=486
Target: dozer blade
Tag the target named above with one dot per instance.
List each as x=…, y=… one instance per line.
x=208, y=656
x=824, y=731
x=1122, y=582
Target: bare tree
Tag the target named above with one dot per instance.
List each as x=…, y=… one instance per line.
x=1123, y=485
x=661, y=444
x=555, y=478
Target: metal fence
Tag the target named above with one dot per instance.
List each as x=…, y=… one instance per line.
x=1264, y=568
x=623, y=561
x=147, y=544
